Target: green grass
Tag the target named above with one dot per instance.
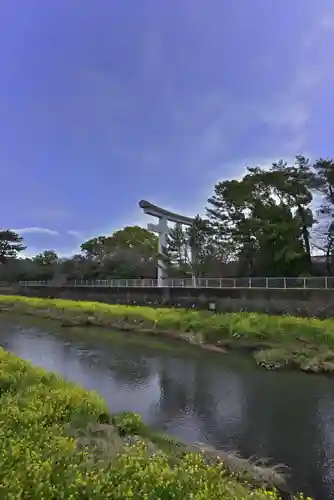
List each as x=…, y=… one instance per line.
x=59, y=442
x=278, y=341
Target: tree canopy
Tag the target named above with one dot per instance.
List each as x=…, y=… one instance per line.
x=268, y=222
x=10, y=245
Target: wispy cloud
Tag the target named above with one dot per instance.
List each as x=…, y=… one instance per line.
x=328, y=20
x=216, y=122
x=201, y=93
x=77, y=234
x=37, y=230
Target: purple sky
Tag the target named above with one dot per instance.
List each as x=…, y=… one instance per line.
x=105, y=103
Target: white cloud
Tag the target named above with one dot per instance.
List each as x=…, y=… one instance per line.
x=36, y=230
x=209, y=123
x=77, y=234
x=328, y=21
x=33, y=251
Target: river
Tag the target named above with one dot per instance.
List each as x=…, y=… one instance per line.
x=223, y=400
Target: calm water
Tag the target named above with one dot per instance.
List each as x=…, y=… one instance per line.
x=225, y=401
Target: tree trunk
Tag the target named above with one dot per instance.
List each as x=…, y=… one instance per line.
x=306, y=235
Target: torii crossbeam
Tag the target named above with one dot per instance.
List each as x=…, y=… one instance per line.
x=162, y=229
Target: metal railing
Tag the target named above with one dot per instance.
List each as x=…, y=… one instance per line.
x=317, y=283
x=33, y=283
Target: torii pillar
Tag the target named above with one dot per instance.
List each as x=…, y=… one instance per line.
x=162, y=229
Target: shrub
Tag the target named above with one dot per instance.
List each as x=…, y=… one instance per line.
x=236, y=329
x=39, y=460
x=128, y=423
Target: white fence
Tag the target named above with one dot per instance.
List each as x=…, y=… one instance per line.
x=315, y=283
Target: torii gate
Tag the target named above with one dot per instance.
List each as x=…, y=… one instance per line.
x=162, y=229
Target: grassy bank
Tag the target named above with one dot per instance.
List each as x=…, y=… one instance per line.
x=58, y=441
x=275, y=341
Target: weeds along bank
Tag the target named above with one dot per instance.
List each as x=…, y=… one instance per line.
x=275, y=341
x=58, y=441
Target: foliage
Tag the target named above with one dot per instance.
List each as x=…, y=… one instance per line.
x=324, y=177
x=127, y=253
x=10, y=245
x=265, y=220
x=45, y=265
x=127, y=423
x=232, y=330
x=46, y=258
x=265, y=223
x=129, y=238
x=194, y=250
x=177, y=247
x=40, y=460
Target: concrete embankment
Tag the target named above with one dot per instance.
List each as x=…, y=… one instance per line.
x=299, y=302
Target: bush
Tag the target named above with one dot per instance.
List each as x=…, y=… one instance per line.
x=214, y=327
x=39, y=460
x=128, y=423
x=283, y=335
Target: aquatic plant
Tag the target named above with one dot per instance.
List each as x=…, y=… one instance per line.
x=278, y=341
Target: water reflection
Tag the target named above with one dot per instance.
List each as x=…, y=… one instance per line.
x=288, y=417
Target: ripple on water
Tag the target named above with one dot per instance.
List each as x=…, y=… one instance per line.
x=222, y=401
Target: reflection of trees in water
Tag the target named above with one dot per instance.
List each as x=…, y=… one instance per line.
x=204, y=398
x=176, y=386
x=42, y=349
x=325, y=450
x=280, y=413
x=211, y=396
x=128, y=365
x=217, y=401
x=285, y=416
x=131, y=370
x=125, y=370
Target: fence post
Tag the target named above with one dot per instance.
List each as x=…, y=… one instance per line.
x=326, y=282
x=284, y=281
x=304, y=282
x=249, y=282
x=234, y=283
x=267, y=283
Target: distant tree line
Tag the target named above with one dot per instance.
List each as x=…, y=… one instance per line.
x=270, y=222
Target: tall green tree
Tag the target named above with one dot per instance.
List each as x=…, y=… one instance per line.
x=46, y=258
x=79, y=267
x=46, y=265
x=130, y=252
x=95, y=248
x=227, y=212
x=176, y=253
x=293, y=184
x=207, y=254
x=324, y=188
x=11, y=244
x=265, y=218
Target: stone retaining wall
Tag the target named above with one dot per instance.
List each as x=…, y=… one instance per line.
x=303, y=302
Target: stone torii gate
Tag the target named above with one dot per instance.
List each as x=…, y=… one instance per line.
x=162, y=229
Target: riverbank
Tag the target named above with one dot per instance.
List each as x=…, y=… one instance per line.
x=276, y=342
x=59, y=441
